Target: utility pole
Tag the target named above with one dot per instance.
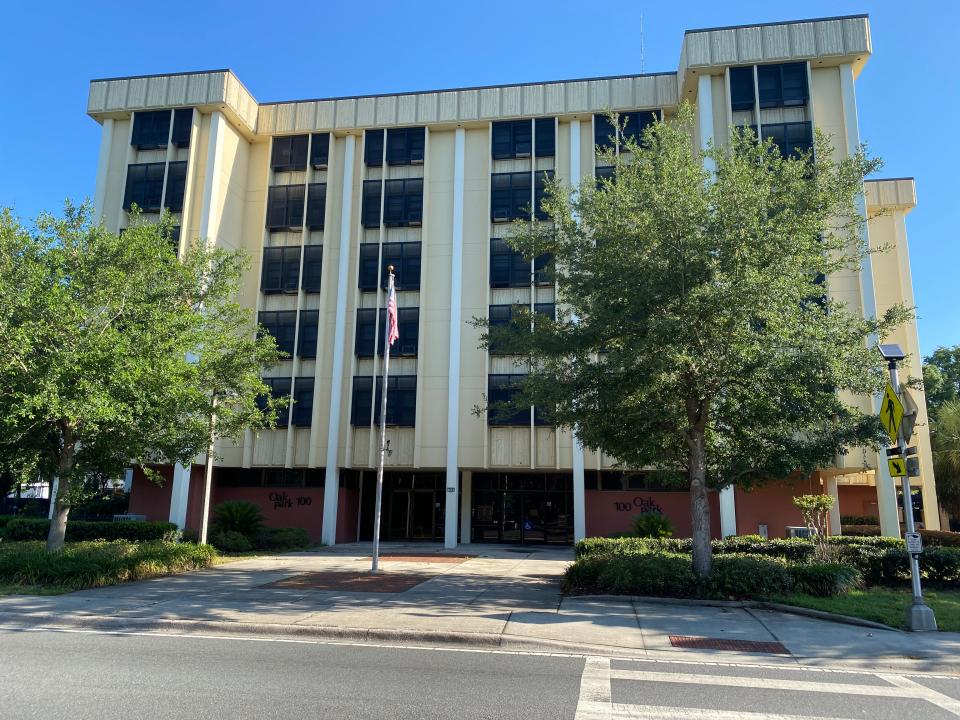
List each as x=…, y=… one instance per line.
x=920, y=617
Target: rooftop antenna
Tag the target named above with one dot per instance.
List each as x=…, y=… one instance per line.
x=643, y=54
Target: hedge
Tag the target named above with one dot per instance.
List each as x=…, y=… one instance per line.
x=18, y=529
x=98, y=563
x=859, y=520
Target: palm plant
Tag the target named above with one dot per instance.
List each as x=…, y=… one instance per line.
x=945, y=439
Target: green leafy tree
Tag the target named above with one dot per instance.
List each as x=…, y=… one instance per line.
x=945, y=439
x=694, y=333
x=115, y=352
x=815, y=510
x=941, y=377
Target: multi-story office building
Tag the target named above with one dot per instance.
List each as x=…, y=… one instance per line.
x=324, y=194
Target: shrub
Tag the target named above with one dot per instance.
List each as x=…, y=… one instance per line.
x=582, y=575
x=97, y=563
x=749, y=576
x=664, y=574
x=19, y=529
x=652, y=525
x=824, y=579
x=238, y=516
x=232, y=541
x=859, y=520
x=940, y=538
x=191, y=536
x=282, y=539
x=861, y=530
x=816, y=516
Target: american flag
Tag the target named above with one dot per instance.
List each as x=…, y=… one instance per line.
x=393, y=331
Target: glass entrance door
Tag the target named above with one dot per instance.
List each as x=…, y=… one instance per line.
x=522, y=508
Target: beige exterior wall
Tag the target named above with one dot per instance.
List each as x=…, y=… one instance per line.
x=237, y=194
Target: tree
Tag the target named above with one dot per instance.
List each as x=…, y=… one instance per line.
x=694, y=332
x=816, y=516
x=945, y=439
x=114, y=350
x=941, y=377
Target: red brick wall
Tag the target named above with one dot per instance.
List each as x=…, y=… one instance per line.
x=772, y=505
x=612, y=511
x=858, y=500
x=281, y=507
x=149, y=499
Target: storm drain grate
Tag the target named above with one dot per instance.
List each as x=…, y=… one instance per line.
x=704, y=643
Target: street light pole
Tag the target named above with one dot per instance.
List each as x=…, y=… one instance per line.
x=920, y=616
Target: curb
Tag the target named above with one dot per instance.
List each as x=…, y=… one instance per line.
x=744, y=604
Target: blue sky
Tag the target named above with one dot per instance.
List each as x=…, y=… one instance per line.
x=909, y=94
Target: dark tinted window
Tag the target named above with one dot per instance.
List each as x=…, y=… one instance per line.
x=176, y=183
x=540, y=192
x=144, y=186
x=283, y=326
x=782, y=85
x=319, y=150
x=182, y=124
x=366, y=335
x=405, y=146
x=312, y=268
x=401, y=400
x=373, y=148
x=603, y=173
x=289, y=153
x=302, y=401
x=405, y=258
x=510, y=196
x=403, y=202
x=633, y=122
x=285, y=207
x=509, y=269
x=367, y=275
x=512, y=139
x=151, y=129
x=279, y=388
x=307, y=335
x=791, y=138
x=316, y=205
x=370, y=209
x=281, y=269
x=546, y=140
x=741, y=88
x=502, y=389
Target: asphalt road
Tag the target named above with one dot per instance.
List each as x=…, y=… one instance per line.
x=76, y=675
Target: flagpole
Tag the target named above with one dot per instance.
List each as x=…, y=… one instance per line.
x=375, y=567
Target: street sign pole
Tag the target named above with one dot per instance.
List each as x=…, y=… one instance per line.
x=920, y=616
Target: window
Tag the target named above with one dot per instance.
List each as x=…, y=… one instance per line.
x=604, y=172
x=405, y=258
x=302, y=402
x=512, y=139
x=741, y=88
x=268, y=477
x=401, y=400
x=405, y=146
x=367, y=275
x=279, y=388
x=540, y=192
x=289, y=153
x=182, y=125
x=175, y=239
x=285, y=207
x=502, y=316
x=316, y=205
x=281, y=269
x=283, y=326
x=408, y=320
x=782, y=85
x=307, y=337
x=633, y=123
x=509, y=196
x=545, y=137
x=403, y=202
x=312, y=268
x=509, y=269
x=546, y=309
x=373, y=148
x=501, y=389
x=176, y=182
x=319, y=150
x=151, y=129
x=792, y=138
x=144, y=186
x=370, y=209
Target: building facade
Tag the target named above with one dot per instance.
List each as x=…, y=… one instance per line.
x=324, y=194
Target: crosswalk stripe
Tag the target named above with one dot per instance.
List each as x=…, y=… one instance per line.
x=594, y=702
x=661, y=712
x=930, y=695
x=772, y=684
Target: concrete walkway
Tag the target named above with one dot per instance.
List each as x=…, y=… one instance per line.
x=503, y=597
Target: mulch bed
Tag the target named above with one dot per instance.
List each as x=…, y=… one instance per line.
x=352, y=581
x=704, y=643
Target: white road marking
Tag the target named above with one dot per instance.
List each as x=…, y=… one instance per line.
x=659, y=712
x=932, y=696
x=594, y=702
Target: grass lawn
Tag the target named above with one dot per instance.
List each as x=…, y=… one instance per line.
x=885, y=605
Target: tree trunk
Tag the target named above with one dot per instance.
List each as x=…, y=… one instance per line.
x=58, y=523
x=699, y=504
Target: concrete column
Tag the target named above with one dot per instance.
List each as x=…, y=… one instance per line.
x=466, y=501
x=728, y=511
x=331, y=488
x=103, y=164
x=579, y=493
x=128, y=479
x=886, y=490
x=834, y=492
x=179, y=495
x=211, y=182
x=453, y=369
x=705, y=117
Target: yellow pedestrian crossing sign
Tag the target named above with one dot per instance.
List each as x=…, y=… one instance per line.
x=898, y=466
x=891, y=413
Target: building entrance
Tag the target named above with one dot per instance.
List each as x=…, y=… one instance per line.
x=522, y=508
x=413, y=506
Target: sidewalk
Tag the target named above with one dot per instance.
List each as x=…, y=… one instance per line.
x=489, y=596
